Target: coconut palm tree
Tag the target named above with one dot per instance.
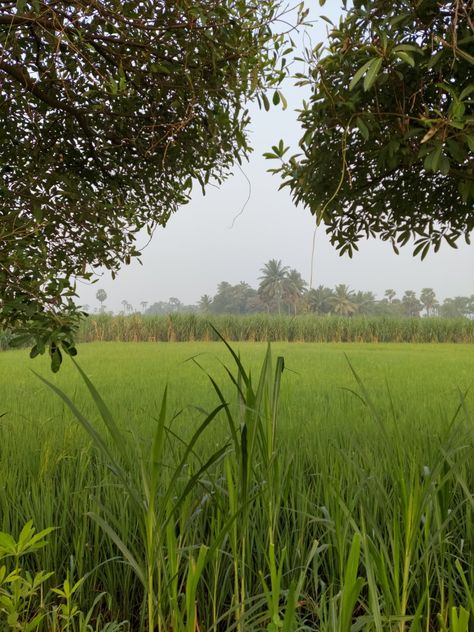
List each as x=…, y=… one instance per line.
x=205, y=303
x=390, y=295
x=365, y=302
x=294, y=288
x=318, y=300
x=411, y=305
x=101, y=296
x=272, y=282
x=342, y=301
x=428, y=300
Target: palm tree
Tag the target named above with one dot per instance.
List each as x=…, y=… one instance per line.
x=428, y=300
x=411, y=305
x=365, y=302
x=205, y=303
x=124, y=305
x=174, y=303
x=318, y=300
x=390, y=294
x=272, y=282
x=294, y=288
x=101, y=296
x=342, y=301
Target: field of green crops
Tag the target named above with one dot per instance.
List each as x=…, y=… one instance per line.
x=263, y=327
x=346, y=505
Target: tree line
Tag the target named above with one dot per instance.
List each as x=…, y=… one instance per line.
x=282, y=290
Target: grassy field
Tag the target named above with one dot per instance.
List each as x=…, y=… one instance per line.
x=357, y=511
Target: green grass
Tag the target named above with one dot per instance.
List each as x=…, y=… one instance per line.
x=376, y=485
x=423, y=379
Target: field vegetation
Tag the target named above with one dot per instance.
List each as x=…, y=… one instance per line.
x=186, y=487
x=332, y=495
x=261, y=327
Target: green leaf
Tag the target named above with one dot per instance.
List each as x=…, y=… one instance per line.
x=408, y=47
x=56, y=358
x=266, y=102
x=457, y=150
x=326, y=19
x=432, y=160
x=364, y=130
x=7, y=544
x=425, y=250
x=451, y=241
x=470, y=141
x=444, y=165
x=466, y=92
x=359, y=74
x=458, y=109
x=406, y=57
x=372, y=73
x=421, y=246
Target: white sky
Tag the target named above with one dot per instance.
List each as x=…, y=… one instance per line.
x=198, y=248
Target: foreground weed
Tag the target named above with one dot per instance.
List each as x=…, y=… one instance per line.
x=21, y=594
x=158, y=496
x=25, y=604
x=174, y=488
x=253, y=480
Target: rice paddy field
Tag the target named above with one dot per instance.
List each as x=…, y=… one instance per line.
x=331, y=492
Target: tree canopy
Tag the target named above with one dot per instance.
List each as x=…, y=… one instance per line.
x=110, y=111
x=388, y=133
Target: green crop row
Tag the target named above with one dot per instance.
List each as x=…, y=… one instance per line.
x=261, y=327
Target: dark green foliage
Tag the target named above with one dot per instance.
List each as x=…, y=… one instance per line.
x=388, y=134
x=111, y=111
x=234, y=299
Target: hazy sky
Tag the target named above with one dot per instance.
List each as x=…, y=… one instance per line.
x=199, y=248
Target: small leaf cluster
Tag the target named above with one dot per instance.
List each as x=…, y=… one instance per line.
x=24, y=597
x=20, y=590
